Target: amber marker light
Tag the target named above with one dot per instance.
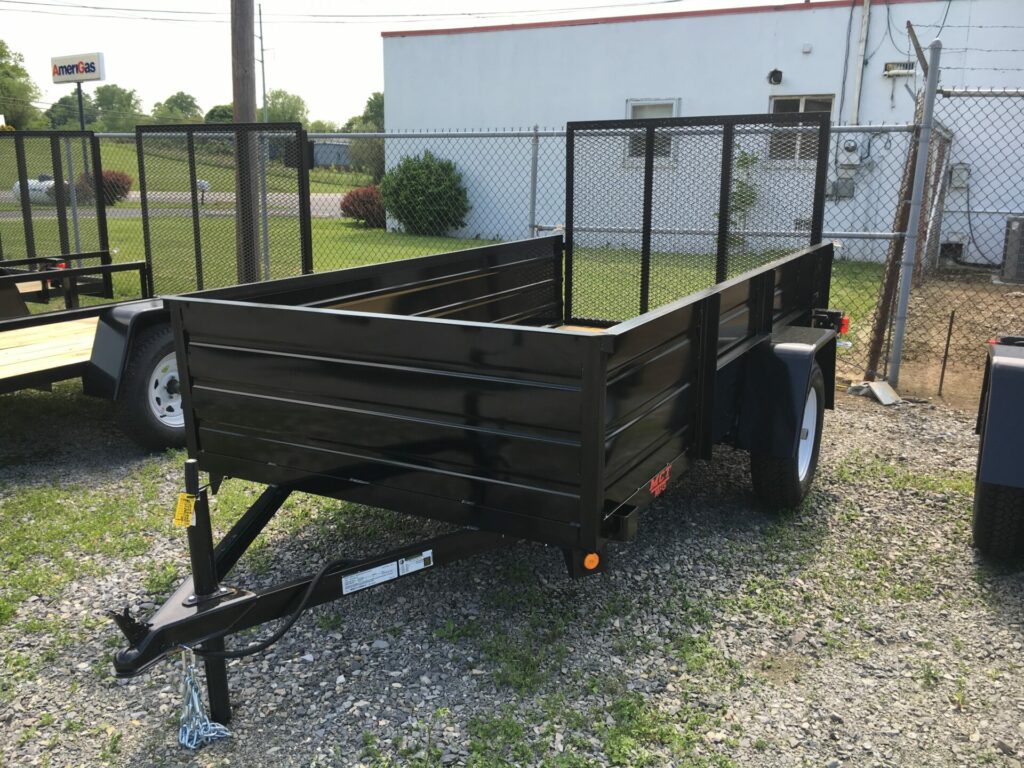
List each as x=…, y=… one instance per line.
x=591, y=560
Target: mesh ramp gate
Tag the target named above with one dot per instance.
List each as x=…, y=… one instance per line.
x=658, y=209
x=224, y=204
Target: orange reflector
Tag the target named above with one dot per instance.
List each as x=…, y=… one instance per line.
x=591, y=560
x=844, y=325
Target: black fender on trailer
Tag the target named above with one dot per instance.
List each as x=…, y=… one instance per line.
x=775, y=388
x=115, y=331
x=1000, y=415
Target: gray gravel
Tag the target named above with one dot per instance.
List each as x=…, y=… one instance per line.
x=861, y=631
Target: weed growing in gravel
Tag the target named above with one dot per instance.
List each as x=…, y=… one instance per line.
x=928, y=675
x=159, y=579
x=958, y=698
x=48, y=536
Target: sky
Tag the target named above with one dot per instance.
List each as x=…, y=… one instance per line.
x=329, y=53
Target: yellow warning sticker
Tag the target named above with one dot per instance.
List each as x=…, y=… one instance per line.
x=184, y=511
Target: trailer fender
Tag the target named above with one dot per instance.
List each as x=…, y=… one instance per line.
x=1001, y=417
x=777, y=376
x=115, y=331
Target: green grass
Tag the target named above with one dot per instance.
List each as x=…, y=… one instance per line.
x=167, y=168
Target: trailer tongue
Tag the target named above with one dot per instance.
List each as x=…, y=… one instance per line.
x=498, y=390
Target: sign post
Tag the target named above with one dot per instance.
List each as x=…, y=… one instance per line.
x=78, y=69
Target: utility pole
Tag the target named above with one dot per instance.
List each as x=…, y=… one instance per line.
x=243, y=88
x=243, y=61
x=263, y=65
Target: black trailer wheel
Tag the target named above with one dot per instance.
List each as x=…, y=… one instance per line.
x=999, y=520
x=149, y=404
x=782, y=483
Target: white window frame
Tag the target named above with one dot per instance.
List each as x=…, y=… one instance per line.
x=803, y=97
x=674, y=102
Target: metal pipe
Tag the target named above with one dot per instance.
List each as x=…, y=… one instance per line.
x=945, y=354
x=862, y=45
x=910, y=245
x=73, y=192
x=881, y=128
x=534, y=152
x=713, y=232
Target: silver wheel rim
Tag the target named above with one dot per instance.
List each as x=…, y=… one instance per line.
x=162, y=393
x=805, y=450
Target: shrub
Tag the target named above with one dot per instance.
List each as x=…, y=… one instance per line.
x=6, y=127
x=116, y=186
x=426, y=195
x=364, y=204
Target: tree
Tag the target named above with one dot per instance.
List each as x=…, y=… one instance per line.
x=367, y=155
x=180, y=107
x=222, y=113
x=64, y=112
x=119, y=108
x=17, y=91
x=372, y=119
x=322, y=126
x=373, y=112
x=284, y=107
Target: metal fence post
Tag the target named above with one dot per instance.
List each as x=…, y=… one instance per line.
x=534, y=152
x=910, y=243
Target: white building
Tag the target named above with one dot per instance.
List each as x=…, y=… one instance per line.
x=835, y=55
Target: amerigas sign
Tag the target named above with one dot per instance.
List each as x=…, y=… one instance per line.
x=77, y=69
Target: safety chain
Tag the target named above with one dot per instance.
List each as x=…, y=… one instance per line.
x=195, y=728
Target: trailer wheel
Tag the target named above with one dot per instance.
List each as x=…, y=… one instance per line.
x=998, y=520
x=149, y=405
x=782, y=483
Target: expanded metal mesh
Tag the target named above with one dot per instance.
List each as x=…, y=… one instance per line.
x=650, y=221
x=222, y=204
x=58, y=172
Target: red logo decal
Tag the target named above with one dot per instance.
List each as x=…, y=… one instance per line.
x=660, y=481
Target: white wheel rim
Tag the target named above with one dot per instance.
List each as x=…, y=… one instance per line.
x=163, y=395
x=805, y=450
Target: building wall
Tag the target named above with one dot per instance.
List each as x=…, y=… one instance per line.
x=713, y=63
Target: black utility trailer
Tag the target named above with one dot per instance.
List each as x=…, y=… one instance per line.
x=999, y=481
x=123, y=350
x=466, y=388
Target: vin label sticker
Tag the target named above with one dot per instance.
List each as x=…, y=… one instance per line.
x=416, y=562
x=368, y=578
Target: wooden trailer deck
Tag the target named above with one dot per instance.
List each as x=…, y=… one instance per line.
x=45, y=352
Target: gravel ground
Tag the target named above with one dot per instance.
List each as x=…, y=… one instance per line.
x=860, y=631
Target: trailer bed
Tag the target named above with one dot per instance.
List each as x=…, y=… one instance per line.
x=49, y=353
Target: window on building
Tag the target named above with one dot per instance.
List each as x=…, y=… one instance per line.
x=796, y=145
x=645, y=109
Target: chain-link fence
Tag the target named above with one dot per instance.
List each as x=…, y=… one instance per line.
x=969, y=266
x=507, y=185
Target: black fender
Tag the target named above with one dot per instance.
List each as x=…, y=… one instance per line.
x=777, y=376
x=1001, y=415
x=116, y=329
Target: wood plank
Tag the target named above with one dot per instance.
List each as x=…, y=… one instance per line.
x=47, y=347
x=30, y=287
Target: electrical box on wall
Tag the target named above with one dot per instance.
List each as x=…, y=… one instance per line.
x=959, y=175
x=898, y=69
x=841, y=189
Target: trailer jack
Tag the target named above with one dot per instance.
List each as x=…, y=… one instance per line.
x=201, y=613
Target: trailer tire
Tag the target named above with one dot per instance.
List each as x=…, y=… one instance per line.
x=782, y=483
x=998, y=520
x=148, y=406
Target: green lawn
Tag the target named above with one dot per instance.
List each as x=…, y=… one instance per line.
x=167, y=168
x=606, y=281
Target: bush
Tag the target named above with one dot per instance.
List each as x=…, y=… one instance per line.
x=426, y=195
x=116, y=186
x=6, y=127
x=364, y=204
